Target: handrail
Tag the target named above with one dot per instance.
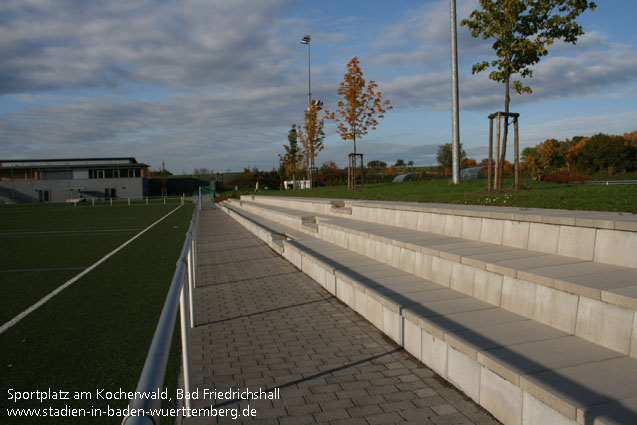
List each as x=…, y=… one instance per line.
x=180, y=291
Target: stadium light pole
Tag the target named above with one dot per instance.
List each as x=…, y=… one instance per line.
x=455, y=145
x=306, y=40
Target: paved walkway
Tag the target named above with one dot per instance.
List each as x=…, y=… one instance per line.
x=262, y=323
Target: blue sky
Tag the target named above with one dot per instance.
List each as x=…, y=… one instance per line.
x=217, y=83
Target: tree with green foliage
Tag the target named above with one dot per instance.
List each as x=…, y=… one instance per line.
x=292, y=157
x=610, y=154
x=376, y=164
x=445, y=154
x=522, y=30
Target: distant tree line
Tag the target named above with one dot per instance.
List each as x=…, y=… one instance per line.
x=553, y=160
x=601, y=153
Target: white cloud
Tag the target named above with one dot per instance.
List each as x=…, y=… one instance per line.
x=172, y=43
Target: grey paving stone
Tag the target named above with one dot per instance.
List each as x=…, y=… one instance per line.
x=384, y=418
x=350, y=421
x=342, y=403
x=360, y=411
x=394, y=406
x=444, y=409
x=297, y=420
x=303, y=409
x=331, y=415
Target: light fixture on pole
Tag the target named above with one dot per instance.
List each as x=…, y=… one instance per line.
x=455, y=146
x=306, y=40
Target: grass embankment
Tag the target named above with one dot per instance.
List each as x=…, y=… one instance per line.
x=96, y=333
x=620, y=198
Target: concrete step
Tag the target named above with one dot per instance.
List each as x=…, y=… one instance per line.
x=522, y=371
x=604, y=237
x=595, y=301
x=293, y=219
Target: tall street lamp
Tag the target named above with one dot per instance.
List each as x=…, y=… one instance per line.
x=306, y=40
x=455, y=147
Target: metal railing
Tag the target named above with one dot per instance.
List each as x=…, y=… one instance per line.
x=608, y=182
x=127, y=200
x=180, y=294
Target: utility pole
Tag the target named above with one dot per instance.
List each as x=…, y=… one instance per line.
x=455, y=161
x=306, y=40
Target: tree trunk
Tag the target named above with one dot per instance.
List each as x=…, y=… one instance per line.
x=352, y=171
x=505, y=131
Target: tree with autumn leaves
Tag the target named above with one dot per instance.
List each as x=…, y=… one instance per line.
x=360, y=109
x=311, y=136
x=600, y=153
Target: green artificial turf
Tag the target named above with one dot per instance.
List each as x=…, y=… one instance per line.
x=39, y=245
x=96, y=333
x=620, y=198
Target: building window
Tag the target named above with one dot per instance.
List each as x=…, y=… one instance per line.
x=115, y=173
x=43, y=195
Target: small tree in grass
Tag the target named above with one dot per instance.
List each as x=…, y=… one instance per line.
x=444, y=155
x=291, y=159
x=522, y=30
x=361, y=108
x=311, y=135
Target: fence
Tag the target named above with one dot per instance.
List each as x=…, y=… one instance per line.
x=180, y=293
x=608, y=182
x=127, y=201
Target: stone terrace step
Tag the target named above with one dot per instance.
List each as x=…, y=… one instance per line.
x=591, y=300
x=604, y=237
x=522, y=371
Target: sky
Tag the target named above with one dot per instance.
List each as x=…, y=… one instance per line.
x=217, y=84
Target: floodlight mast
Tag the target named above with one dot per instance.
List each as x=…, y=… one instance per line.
x=306, y=40
x=455, y=146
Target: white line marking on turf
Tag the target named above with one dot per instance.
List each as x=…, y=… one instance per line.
x=51, y=269
x=55, y=232
x=66, y=284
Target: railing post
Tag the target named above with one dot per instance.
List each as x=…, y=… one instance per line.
x=490, y=160
x=193, y=249
x=185, y=344
x=190, y=286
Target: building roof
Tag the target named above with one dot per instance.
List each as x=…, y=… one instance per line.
x=69, y=162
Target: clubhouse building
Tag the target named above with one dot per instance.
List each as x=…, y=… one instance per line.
x=62, y=180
